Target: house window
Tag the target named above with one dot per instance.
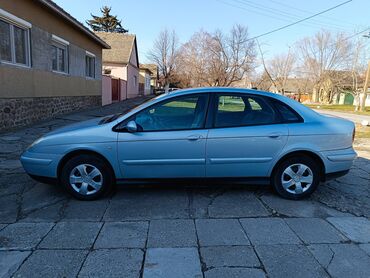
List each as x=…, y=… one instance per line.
x=14, y=43
x=59, y=54
x=90, y=65
x=135, y=80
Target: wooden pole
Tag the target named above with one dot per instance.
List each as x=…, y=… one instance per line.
x=366, y=86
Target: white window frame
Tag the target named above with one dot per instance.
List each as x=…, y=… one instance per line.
x=61, y=43
x=90, y=55
x=12, y=20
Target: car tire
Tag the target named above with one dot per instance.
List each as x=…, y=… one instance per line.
x=292, y=180
x=87, y=177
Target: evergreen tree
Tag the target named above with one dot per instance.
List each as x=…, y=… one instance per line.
x=106, y=23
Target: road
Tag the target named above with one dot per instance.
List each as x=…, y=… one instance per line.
x=178, y=231
x=356, y=118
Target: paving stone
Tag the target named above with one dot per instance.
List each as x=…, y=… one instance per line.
x=233, y=256
x=365, y=247
x=268, y=231
x=315, y=230
x=342, y=260
x=22, y=236
x=172, y=233
x=303, y=208
x=8, y=209
x=113, y=263
x=10, y=261
x=11, y=165
x=122, y=235
x=2, y=226
x=148, y=204
x=12, y=183
x=52, y=263
x=71, y=235
x=236, y=203
x=172, y=262
x=10, y=138
x=355, y=228
x=45, y=214
x=289, y=261
x=212, y=232
x=9, y=148
x=234, y=273
x=42, y=195
x=77, y=210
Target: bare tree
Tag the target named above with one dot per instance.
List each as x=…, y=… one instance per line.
x=164, y=54
x=217, y=59
x=323, y=56
x=281, y=67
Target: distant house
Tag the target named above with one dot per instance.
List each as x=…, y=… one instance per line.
x=294, y=87
x=49, y=62
x=337, y=86
x=121, y=61
x=154, y=76
x=144, y=80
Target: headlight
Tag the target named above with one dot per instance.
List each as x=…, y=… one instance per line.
x=35, y=142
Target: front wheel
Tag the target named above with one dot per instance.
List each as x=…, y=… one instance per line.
x=296, y=177
x=86, y=177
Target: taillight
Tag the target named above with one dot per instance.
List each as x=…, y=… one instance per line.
x=353, y=134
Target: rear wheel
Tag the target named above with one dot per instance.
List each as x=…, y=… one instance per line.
x=296, y=177
x=87, y=177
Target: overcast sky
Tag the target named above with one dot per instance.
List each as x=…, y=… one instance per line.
x=146, y=18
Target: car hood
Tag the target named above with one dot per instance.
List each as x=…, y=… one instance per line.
x=76, y=126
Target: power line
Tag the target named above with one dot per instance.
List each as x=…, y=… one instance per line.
x=299, y=21
x=284, y=14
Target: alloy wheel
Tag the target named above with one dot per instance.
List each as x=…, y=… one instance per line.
x=86, y=179
x=297, y=178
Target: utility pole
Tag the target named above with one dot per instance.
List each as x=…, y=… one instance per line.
x=366, y=86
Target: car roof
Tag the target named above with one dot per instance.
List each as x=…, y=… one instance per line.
x=303, y=110
x=307, y=113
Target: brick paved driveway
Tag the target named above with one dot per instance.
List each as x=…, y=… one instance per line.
x=179, y=231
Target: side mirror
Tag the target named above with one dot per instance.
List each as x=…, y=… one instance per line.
x=131, y=126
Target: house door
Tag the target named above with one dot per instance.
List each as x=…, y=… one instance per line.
x=115, y=89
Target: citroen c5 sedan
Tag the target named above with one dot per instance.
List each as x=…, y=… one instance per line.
x=204, y=133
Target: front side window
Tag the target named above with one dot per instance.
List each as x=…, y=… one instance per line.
x=14, y=44
x=186, y=112
x=90, y=66
x=59, y=57
x=238, y=110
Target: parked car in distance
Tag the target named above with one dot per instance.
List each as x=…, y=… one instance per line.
x=203, y=133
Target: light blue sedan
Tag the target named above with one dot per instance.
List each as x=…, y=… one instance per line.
x=203, y=133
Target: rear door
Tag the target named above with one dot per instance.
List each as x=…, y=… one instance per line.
x=245, y=137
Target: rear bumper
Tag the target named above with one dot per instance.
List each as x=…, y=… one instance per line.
x=338, y=161
x=335, y=175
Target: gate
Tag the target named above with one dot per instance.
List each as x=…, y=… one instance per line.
x=115, y=90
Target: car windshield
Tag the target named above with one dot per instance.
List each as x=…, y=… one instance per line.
x=114, y=117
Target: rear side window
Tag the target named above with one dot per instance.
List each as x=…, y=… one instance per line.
x=243, y=110
x=287, y=114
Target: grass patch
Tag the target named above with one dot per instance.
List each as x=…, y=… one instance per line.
x=340, y=108
x=362, y=131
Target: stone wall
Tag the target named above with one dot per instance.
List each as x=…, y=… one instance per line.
x=16, y=112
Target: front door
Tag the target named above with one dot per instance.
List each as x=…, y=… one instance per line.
x=170, y=140
x=246, y=137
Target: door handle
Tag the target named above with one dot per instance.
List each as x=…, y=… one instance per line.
x=194, y=137
x=275, y=135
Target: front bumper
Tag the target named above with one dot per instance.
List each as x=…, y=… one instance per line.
x=40, y=164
